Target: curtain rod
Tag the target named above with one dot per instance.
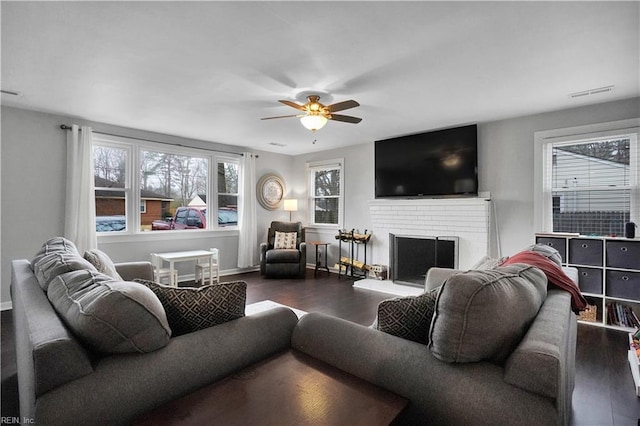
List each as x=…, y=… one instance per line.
x=65, y=127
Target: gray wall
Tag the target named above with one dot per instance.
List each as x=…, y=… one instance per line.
x=33, y=174
x=33, y=187
x=505, y=165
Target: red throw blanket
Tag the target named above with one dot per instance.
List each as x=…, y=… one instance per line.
x=555, y=276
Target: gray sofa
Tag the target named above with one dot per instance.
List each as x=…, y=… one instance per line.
x=479, y=393
x=61, y=382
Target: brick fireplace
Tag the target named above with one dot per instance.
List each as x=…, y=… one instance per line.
x=466, y=219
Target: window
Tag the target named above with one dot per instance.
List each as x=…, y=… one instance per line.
x=590, y=184
x=112, y=189
x=325, y=187
x=142, y=186
x=169, y=181
x=228, y=193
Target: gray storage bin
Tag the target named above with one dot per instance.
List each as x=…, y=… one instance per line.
x=590, y=280
x=623, y=254
x=559, y=244
x=585, y=251
x=623, y=284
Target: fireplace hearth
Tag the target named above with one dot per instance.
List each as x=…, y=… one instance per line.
x=412, y=256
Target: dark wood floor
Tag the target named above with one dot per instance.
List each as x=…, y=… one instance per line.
x=604, y=393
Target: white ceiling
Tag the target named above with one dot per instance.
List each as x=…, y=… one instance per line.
x=211, y=70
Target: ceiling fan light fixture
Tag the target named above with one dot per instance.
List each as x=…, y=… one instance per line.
x=314, y=122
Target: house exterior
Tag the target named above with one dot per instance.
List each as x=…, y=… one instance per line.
x=153, y=206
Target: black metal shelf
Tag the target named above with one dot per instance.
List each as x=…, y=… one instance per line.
x=352, y=267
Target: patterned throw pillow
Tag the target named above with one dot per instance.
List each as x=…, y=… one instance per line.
x=103, y=263
x=408, y=317
x=285, y=240
x=194, y=308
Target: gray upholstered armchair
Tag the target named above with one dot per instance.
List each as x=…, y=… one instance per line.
x=283, y=262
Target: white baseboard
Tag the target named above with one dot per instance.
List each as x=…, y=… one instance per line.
x=6, y=306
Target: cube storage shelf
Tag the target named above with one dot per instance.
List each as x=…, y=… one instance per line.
x=608, y=271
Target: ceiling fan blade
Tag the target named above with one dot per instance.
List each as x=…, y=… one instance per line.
x=281, y=116
x=340, y=106
x=292, y=105
x=345, y=118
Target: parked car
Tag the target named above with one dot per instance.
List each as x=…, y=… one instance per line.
x=195, y=218
x=227, y=216
x=110, y=223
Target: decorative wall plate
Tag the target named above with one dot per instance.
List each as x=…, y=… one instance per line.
x=270, y=191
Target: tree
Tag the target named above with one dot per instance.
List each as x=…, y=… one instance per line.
x=611, y=150
x=109, y=163
x=175, y=176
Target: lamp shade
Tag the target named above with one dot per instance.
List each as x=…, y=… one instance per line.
x=313, y=122
x=291, y=205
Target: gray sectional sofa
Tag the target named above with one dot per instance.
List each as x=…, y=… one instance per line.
x=62, y=382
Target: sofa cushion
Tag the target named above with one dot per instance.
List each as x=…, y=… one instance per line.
x=59, y=262
x=102, y=263
x=483, y=315
x=54, y=245
x=285, y=240
x=194, y=308
x=109, y=316
x=408, y=317
x=283, y=256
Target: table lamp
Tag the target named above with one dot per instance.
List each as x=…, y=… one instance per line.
x=290, y=205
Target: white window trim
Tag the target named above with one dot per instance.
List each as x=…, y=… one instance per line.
x=315, y=165
x=132, y=185
x=542, y=218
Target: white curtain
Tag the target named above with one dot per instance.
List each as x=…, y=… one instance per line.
x=247, y=222
x=80, y=208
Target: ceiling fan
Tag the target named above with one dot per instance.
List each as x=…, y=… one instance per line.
x=316, y=114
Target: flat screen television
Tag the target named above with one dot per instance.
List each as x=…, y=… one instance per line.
x=442, y=163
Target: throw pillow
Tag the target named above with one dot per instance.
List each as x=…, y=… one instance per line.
x=53, y=245
x=109, y=316
x=56, y=263
x=408, y=317
x=488, y=262
x=103, y=263
x=554, y=273
x=546, y=251
x=285, y=240
x=483, y=315
x=194, y=308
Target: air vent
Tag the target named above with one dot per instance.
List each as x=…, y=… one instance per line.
x=277, y=144
x=591, y=92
